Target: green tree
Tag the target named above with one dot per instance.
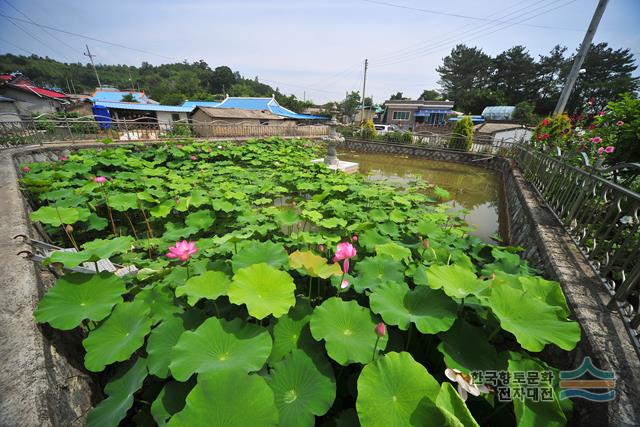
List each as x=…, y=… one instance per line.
x=608, y=75
x=397, y=97
x=221, y=79
x=128, y=98
x=515, y=75
x=525, y=113
x=552, y=70
x=430, y=95
x=462, y=134
x=465, y=74
x=349, y=106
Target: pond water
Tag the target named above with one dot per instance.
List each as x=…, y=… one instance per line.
x=474, y=188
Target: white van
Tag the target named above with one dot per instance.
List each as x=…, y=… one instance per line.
x=382, y=129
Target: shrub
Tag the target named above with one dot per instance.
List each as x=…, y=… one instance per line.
x=368, y=130
x=553, y=132
x=180, y=130
x=462, y=134
x=524, y=114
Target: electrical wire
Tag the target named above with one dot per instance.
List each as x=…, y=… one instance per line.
x=456, y=15
x=36, y=38
x=483, y=33
x=17, y=47
x=50, y=34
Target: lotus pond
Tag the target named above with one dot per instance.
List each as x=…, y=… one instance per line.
x=475, y=190
x=290, y=295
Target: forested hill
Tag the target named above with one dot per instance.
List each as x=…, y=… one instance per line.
x=168, y=83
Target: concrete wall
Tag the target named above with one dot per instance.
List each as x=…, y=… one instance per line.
x=30, y=103
x=9, y=112
x=513, y=134
x=165, y=119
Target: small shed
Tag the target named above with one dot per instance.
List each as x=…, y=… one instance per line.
x=504, y=131
x=204, y=117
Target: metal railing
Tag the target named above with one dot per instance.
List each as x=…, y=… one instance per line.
x=601, y=217
x=38, y=130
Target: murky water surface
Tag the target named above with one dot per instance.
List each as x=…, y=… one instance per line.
x=471, y=187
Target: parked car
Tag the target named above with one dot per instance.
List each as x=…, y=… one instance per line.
x=383, y=129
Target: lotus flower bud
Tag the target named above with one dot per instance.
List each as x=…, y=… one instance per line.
x=425, y=243
x=68, y=228
x=381, y=329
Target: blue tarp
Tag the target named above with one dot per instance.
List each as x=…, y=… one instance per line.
x=102, y=116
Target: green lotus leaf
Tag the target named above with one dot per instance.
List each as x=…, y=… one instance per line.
x=332, y=223
x=69, y=259
x=372, y=271
x=547, y=291
x=301, y=390
x=123, y=201
x=378, y=215
x=199, y=197
x=454, y=280
x=162, y=210
x=254, y=252
x=348, y=330
x=117, y=337
x=161, y=341
x=201, y=220
x=369, y=239
x=97, y=223
x=430, y=310
x=228, y=398
x=171, y=400
x=467, y=349
x=287, y=217
x=175, y=233
x=263, y=289
x=394, y=251
x=441, y=193
x=159, y=299
x=533, y=322
x=219, y=345
x=209, y=285
x=389, y=228
x=314, y=265
x=106, y=248
x=391, y=391
x=529, y=412
x=450, y=401
x=120, y=392
x=57, y=216
x=292, y=332
x=79, y=296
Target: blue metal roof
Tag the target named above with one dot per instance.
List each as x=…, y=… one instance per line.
x=210, y=104
x=145, y=107
x=269, y=104
x=474, y=119
x=116, y=96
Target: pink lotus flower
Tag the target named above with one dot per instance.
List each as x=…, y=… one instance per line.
x=182, y=250
x=546, y=122
x=619, y=123
x=596, y=140
x=26, y=169
x=194, y=158
x=63, y=158
x=610, y=149
x=344, y=284
x=381, y=329
x=354, y=238
x=179, y=145
x=345, y=250
x=600, y=151
x=100, y=179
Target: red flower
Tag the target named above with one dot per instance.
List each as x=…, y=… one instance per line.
x=546, y=122
x=381, y=329
x=592, y=126
x=619, y=123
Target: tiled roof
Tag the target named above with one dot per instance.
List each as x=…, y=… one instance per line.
x=269, y=104
x=238, y=113
x=200, y=104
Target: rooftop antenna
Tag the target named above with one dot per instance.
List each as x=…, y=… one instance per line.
x=88, y=53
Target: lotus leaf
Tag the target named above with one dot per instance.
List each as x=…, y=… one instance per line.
x=209, y=285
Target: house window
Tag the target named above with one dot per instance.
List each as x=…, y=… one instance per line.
x=264, y=122
x=401, y=115
x=175, y=117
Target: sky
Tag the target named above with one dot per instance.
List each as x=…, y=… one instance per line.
x=313, y=49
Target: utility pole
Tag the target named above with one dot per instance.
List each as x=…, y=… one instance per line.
x=88, y=53
x=582, y=53
x=364, y=86
x=304, y=96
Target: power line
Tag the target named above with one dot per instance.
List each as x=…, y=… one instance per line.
x=43, y=29
x=482, y=33
x=520, y=12
x=457, y=15
x=34, y=37
x=90, y=38
x=17, y=47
